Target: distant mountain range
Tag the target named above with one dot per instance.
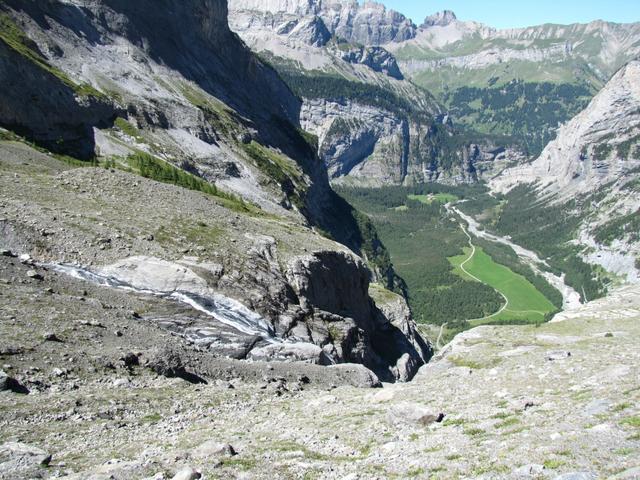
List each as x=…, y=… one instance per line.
x=495, y=97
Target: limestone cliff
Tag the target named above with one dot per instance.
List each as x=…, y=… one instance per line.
x=370, y=23
x=374, y=126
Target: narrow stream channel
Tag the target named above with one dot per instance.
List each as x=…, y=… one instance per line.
x=221, y=308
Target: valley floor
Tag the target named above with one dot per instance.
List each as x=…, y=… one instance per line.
x=518, y=402
x=522, y=302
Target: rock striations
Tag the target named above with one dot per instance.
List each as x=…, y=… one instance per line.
x=370, y=23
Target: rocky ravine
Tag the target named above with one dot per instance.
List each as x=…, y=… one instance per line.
x=597, y=151
x=158, y=107
x=276, y=278
x=406, y=137
x=555, y=402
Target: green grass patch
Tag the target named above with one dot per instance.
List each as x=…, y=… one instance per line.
x=621, y=406
x=437, y=197
x=151, y=418
x=509, y=422
x=241, y=463
x=453, y=422
x=526, y=303
x=624, y=451
x=632, y=421
x=553, y=464
x=274, y=165
x=474, y=432
x=472, y=364
x=128, y=129
x=156, y=169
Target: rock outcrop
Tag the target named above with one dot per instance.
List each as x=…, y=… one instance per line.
x=59, y=113
x=368, y=145
x=440, y=19
x=376, y=58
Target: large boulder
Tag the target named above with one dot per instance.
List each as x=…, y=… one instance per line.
x=20, y=460
x=10, y=384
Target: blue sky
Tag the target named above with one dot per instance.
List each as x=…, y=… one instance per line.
x=514, y=13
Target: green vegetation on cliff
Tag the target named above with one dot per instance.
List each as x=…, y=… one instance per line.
x=12, y=36
x=530, y=112
x=318, y=84
x=420, y=237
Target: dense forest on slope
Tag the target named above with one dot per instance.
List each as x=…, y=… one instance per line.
x=420, y=237
x=531, y=112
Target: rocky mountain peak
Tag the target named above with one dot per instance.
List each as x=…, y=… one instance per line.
x=439, y=19
x=370, y=23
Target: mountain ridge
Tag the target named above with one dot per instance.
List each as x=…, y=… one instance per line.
x=406, y=138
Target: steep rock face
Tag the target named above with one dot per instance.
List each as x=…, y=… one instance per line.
x=584, y=157
x=207, y=52
x=369, y=23
x=313, y=31
x=374, y=127
x=197, y=84
x=348, y=324
x=489, y=57
x=596, y=161
x=371, y=146
x=376, y=58
x=189, y=94
x=440, y=19
x=55, y=115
